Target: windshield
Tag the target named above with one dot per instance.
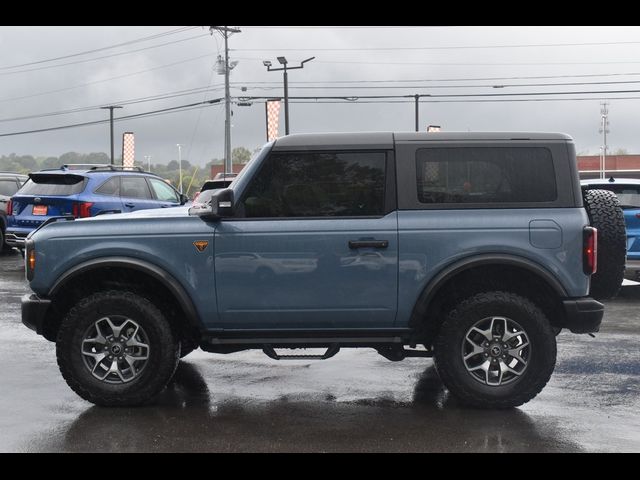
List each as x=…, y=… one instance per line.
x=59, y=185
x=628, y=195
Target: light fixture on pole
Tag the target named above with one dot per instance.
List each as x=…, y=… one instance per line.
x=285, y=68
x=179, y=166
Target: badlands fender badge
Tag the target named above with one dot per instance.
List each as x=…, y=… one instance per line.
x=201, y=245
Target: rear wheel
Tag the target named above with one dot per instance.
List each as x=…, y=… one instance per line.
x=606, y=215
x=3, y=246
x=116, y=349
x=495, y=350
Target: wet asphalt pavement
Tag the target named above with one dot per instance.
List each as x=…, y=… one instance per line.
x=354, y=402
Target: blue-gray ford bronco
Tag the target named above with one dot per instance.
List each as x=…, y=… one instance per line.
x=475, y=249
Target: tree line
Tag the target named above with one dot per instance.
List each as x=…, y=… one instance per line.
x=193, y=176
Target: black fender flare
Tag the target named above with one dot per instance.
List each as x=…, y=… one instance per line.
x=431, y=289
x=158, y=273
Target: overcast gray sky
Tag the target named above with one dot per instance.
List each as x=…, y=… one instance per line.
x=453, y=62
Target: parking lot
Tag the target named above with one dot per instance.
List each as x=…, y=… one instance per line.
x=354, y=402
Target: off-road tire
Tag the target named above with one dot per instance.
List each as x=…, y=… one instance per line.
x=448, y=350
x=3, y=246
x=164, y=349
x=187, y=345
x=607, y=217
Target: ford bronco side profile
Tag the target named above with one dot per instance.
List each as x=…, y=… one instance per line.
x=475, y=249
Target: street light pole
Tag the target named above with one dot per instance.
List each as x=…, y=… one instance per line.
x=180, y=166
x=111, y=107
x=284, y=69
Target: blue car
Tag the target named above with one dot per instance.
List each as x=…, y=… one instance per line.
x=628, y=192
x=84, y=191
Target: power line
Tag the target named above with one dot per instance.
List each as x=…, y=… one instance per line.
x=103, y=80
x=374, y=87
x=161, y=111
x=459, y=79
x=340, y=27
x=95, y=50
x=129, y=52
x=449, y=47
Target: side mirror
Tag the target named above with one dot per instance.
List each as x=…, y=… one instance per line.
x=183, y=199
x=220, y=205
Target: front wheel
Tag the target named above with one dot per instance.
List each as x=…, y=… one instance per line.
x=116, y=349
x=495, y=350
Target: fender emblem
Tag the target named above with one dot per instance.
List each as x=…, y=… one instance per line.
x=201, y=245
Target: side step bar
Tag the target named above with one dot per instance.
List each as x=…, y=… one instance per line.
x=270, y=352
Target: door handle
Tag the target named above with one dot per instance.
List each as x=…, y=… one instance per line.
x=130, y=205
x=368, y=244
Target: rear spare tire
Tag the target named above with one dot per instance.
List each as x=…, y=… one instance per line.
x=606, y=215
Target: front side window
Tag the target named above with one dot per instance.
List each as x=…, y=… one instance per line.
x=134, y=187
x=484, y=175
x=163, y=192
x=318, y=184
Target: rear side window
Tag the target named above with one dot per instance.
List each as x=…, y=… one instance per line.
x=110, y=187
x=134, y=187
x=485, y=175
x=320, y=184
x=8, y=187
x=58, y=185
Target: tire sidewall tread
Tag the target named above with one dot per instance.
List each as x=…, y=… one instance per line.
x=163, y=357
x=448, y=345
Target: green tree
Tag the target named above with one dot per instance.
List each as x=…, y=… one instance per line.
x=240, y=155
x=51, y=162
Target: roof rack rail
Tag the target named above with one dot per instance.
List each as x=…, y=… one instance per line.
x=117, y=167
x=81, y=166
x=96, y=167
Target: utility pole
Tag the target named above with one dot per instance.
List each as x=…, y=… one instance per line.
x=604, y=129
x=179, y=166
x=226, y=32
x=148, y=159
x=284, y=63
x=111, y=107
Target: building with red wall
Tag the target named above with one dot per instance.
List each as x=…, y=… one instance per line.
x=625, y=166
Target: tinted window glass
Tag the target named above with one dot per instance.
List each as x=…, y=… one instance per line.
x=110, y=187
x=318, y=185
x=134, y=187
x=59, y=185
x=485, y=175
x=163, y=192
x=8, y=187
x=629, y=195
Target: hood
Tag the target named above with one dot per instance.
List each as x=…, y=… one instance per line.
x=148, y=213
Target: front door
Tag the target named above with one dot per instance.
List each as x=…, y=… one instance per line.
x=314, y=245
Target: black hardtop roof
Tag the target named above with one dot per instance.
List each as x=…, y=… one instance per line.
x=386, y=139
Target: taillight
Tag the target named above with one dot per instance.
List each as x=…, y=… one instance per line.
x=10, y=207
x=30, y=258
x=590, y=250
x=81, y=209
